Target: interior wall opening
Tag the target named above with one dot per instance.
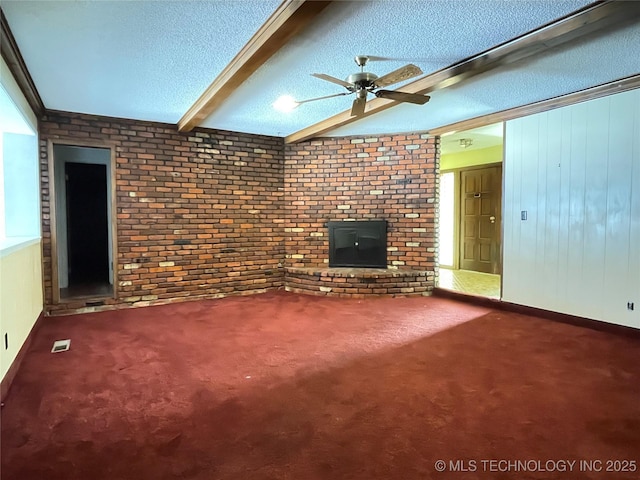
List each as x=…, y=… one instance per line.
x=470, y=220
x=83, y=211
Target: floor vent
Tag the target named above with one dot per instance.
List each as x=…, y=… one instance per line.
x=61, y=346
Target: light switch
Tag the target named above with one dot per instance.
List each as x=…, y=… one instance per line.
x=523, y=215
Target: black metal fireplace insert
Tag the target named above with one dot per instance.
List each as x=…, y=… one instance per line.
x=358, y=244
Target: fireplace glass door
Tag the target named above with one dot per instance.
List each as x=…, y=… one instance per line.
x=358, y=244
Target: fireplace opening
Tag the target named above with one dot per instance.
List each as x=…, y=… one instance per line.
x=358, y=244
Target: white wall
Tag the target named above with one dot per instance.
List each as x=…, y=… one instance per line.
x=20, y=298
x=576, y=171
x=21, y=295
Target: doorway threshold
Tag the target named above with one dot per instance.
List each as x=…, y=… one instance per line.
x=84, y=291
x=470, y=282
x=471, y=298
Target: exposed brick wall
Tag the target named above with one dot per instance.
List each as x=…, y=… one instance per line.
x=212, y=213
x=387, y=177
x=198, y=214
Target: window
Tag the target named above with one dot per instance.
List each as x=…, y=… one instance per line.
x=19, y=179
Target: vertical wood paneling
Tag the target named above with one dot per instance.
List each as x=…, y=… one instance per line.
x=618, y=212
x=528, y=202
x=540, y=193
x=633, y=267
x=511, y=205
x=550, y=178
x=576, y=171
x=577, y=184
x=564, y=246
x=595, y=201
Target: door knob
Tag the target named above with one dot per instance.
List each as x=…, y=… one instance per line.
x=492, y=219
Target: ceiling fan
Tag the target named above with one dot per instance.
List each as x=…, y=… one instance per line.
x=362, y=83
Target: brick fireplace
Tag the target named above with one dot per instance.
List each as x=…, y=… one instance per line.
x=358, y=179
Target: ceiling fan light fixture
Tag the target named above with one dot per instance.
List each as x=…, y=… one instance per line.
x=285, y=104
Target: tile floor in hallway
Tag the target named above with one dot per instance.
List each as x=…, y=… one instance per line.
x=474, y=283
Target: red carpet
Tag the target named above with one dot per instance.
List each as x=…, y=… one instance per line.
x=280, y=386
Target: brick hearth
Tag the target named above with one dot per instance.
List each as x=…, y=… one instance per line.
x=358, y=282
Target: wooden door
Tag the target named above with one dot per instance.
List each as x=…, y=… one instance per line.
x=480, y=203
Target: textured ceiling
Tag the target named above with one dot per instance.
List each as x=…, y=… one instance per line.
x=145, y=59
x=151, y=60
x=574, y=67
x=431, y=35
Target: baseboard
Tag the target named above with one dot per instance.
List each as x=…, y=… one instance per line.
x=539, y=312
x=5, y=385
x=467, y=297
x=60, y=310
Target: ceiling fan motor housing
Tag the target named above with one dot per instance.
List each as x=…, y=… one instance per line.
x=362, y=80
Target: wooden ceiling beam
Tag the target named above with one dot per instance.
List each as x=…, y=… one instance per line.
x=610, y=88
x=593, y=18
x=289, y=19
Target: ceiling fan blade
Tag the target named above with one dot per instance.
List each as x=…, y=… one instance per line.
x=357, y=108
x=322, y=98
x=375, y=58
x=403, y=73
x=403, y=97
x=329, y=78
x=430, y=59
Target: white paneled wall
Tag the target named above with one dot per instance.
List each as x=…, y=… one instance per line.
x=576, y=172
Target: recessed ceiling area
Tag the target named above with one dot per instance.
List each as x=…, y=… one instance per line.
x=151, y=60
x=474, y=139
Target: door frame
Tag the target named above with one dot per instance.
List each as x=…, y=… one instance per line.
x=53, y=222
x=457, y=213
x=456, y=216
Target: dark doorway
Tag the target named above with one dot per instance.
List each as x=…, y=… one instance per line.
x=87, y=227
x=480, y=202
